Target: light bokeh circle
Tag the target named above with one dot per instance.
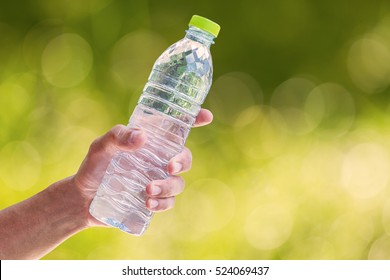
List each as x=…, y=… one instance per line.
x=66, y=60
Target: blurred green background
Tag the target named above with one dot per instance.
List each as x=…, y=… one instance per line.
x=296, y=164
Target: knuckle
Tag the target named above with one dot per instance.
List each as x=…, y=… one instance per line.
x=189, y=158
x=170, y=203
x=107, y=141
x=181, y=182
x=167, y=191
x=173, y=202
x=173, y=186
x=165, y=204
x=95, y=146
x=189, y=153
x=114, y=134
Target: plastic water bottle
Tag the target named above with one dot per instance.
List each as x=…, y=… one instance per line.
x=171, y=99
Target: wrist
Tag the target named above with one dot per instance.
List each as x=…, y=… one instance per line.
x=69, y=205
x=86, y=195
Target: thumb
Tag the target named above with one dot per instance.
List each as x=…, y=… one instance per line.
x=118, y=138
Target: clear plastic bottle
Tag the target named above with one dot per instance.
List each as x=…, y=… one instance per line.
x=177, y=86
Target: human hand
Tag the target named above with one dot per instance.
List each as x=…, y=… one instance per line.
x=122, y=138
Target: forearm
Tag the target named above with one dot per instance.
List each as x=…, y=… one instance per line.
x=34, y=227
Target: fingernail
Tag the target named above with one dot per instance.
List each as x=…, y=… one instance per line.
x=176, y=167
x=134, y=136
x=153, y=203
x=155, y=190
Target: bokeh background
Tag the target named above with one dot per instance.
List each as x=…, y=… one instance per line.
x=296, y=164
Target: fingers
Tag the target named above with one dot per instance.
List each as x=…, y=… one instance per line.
x=162, y=193
x=181, y=162
x=204, y=118
x=171, y=186
x=159, y=205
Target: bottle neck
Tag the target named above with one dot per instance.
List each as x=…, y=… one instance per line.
x=199, y=35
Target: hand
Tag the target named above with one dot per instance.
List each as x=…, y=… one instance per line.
x=33, y=227
x=121, y=138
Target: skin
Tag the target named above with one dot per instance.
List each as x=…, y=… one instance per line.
x=37, y=225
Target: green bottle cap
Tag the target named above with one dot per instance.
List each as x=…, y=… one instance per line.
x=205, y=24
